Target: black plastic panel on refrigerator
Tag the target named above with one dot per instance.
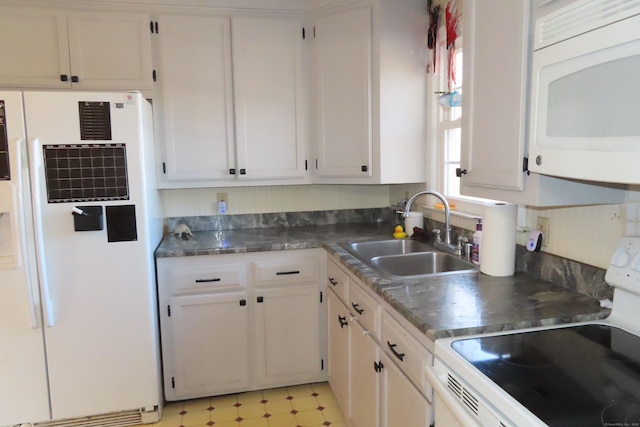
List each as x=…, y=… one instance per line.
x=121, y=223
x=86, y=172
x=95, y=121
x=5, y=173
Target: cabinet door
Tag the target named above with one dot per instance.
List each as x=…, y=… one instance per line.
x=269, y=98
x=343, y=94
x=494, y=107
x=338, y=351
x=196, y=109
x=110, y=50
x=402, y=404
x=288, y=335
x=36, y=48
x=210, y=345
x=365, y=390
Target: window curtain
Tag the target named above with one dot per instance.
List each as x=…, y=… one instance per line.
x=447, y=14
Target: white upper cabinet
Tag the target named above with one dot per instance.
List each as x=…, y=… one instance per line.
x=195, y=118
x=497, y=57
x=271, y=133
x=53, y=48
x=343, y=94
x=232, y=101
x=370, y=93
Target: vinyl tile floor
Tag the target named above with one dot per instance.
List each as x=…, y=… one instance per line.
x=310, y=405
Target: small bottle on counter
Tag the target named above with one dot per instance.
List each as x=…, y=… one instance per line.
x=475, y=245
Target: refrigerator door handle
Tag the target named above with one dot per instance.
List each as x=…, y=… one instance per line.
x=20, y=154
x=36, y=165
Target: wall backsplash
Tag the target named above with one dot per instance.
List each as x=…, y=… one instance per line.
x=587, y=234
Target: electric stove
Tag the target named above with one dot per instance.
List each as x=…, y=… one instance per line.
x=579, y=375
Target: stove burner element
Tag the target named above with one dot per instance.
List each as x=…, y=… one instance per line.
x=626, y=413
x=523, y=354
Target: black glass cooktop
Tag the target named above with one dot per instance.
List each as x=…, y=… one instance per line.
x=580, y=376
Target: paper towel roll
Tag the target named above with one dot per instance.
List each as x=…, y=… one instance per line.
x=498, y=241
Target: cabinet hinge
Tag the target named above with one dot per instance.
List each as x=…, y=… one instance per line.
x=525, y=165
x=173, y=382
x=164, y=167
x=169, y=311
x=365, y=168
x=321, y=297
x=154, y=75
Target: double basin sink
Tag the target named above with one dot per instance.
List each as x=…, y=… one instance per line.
x=401, y=258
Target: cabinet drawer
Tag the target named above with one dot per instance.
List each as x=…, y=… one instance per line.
x=406, y=351
x=296, y=270
x=337, y=280
x=208, y=278
x=365, y=309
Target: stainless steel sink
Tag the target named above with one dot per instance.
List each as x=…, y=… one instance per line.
x=422, y=264
x=377, y=248
x=398, y=258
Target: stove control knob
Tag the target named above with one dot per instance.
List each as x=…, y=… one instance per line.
x=620, y=258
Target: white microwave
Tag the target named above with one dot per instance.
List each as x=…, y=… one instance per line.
x=585, y=92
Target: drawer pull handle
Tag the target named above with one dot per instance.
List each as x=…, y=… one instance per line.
x=333, y=281
x=217, y=279
x=392, y=347
x=343, y=321
x=358, y=310
x=286, y=273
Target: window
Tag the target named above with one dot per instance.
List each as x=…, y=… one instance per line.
x=446, y=119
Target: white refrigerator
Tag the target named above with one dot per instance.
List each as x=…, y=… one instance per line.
x=79, y=222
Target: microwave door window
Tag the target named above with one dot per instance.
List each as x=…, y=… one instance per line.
x=599, y=102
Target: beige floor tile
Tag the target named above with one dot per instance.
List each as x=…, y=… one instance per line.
x=327, y=400
x=174, y=420
x=282, y=420
x=303, y=403
x=251, y=410
x=275, y=393
x=255, y=422
x=333, y=415
x=309, y=418
x=224, y=414
x=278, y=406
x=226, y=424
x=192, y=418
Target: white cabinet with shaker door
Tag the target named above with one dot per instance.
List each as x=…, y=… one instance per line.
x=54, y=48
x=495, y=113
x=375, y=364
x=370, y=91
x=239, y=322
x=218, y=122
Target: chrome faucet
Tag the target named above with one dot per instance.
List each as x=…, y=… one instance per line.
x=447, y=213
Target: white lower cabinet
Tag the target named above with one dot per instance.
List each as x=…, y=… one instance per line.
x=198, y=372
x=375, y=364
x=401, y=402
x=287, y=336
x=338, y=351
x=365, y=370
x=238, y=322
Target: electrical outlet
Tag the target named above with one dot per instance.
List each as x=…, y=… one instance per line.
x=223, y=203
x=543, y=224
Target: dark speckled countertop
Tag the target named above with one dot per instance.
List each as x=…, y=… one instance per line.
x=444, y=306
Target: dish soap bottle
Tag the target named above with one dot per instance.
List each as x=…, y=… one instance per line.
x=475, y=245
